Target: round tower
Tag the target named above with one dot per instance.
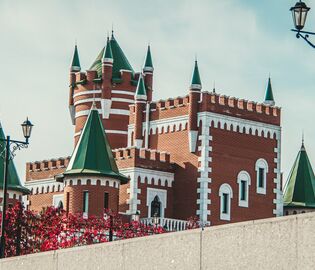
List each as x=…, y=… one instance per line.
x=92, y=178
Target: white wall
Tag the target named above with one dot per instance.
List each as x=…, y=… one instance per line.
x=277, y=243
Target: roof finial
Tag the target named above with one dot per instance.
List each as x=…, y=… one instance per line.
x=112, y=30
x=303, y=138
x=213, y=87
x=76, y=43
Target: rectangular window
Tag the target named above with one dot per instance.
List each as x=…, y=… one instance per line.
x=85, y=201
x=243, y=190
x=68, y=201
x=261, y=175
x=225, y=203
x=105, y=200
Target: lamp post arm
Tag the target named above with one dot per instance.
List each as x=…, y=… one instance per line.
x=305, y=35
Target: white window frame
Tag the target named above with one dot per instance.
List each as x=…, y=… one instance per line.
x=225, y=189
x=86, y=213
x=243, y=176
x=56, y=199
x=162, y=194
x=261, y=164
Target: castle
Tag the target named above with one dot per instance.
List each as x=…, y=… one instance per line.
x=202, y=154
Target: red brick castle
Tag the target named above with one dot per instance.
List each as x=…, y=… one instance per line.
x=201, y=154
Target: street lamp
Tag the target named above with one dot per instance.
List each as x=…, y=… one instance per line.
x=299, y=15
x=10, y=148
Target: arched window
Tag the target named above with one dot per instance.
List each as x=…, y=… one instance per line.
x=226, y=194
x=243, y=180
x=156, y=207
x=261, y=178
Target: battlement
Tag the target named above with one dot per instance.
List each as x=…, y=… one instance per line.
x=39, y=170
x=216, y=103
x=143, y=158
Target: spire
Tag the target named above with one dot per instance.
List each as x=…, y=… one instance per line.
x=92, y=154
x=75, y=63
x=141, y=92
x=300, y=186
x=14, y=182
x=269, y=100
x=148, y=65
x=108, y=54
x=195, y=81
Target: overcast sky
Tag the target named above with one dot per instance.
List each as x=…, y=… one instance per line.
x=238, y=43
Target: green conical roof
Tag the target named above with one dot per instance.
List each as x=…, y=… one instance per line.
x=120, y=60
x=148, y=64
x=92, y=154
x=108, y=51
x=269, y=94
x=14, y=182
x=140, y=91
x=300, y=187
x=195, y=81
x=75, y=63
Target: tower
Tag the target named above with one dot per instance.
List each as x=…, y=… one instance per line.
x=194, y=97
x=269, y=100
x=92, y=178
x=111, y=82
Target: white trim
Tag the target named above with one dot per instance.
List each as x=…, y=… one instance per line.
x=81, y=101
x=123, y=100
x=108, y=60
x=162, y=194
x=125, y=70
x=106, y=105
x=56, y=199
x=123, y=92
x=72, y=113
x=261, y=164
x=225, y=189
x=11, y=194
x=107, y=131
x=146, y=176
x=105, y=181
x=148, y=70
x=144, y=97
x=195, y=86
x=243, y=176
x=112, y=111
x=43, y=185
x=278, y=211
x=88, y=92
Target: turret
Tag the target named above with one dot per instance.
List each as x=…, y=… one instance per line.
x=107, y=72
x=269, y=100
x=75, y=67
x=194, y=97
x=148, y=73
x=140, y=106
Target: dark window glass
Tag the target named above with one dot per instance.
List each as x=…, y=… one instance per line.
x=85, y=201
x=105, y=200
x=68, y=202
x=225, y=203
x=156, y=207
x=261, y=175
x=243, y=190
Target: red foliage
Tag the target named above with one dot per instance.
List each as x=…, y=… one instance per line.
x=193, y=223
x=29, y=232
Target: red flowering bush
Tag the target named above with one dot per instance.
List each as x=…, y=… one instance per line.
x=29, y=232
x=193, y=223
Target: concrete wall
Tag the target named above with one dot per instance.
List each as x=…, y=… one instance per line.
x=277, y=243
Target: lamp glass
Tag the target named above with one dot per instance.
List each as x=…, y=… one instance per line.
x=27, y=128
x=299, y=14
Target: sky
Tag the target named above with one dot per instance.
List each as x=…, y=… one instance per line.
x=238, y=43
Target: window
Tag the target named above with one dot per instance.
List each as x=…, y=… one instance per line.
x=106, y=200
x=85, y=202
x=68, y=202
x=226, y=195
x=156, y=207
x=261, y=178
x=57, y=199
x=243, y=180
x=156, y=202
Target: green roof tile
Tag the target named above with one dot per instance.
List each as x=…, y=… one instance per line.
x=195, y=81
x=148, y=64
x=300, y=187
x=14, y=182
x=108, y=51
x=140, y=91
x=120, y=60
x=92, y=154
x=75, y=63
x=269, y=94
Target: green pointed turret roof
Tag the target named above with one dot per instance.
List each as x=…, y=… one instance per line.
x=195, y=81
x=269, y=93
x=148, y=64
x=108, y=54
x=14, y=182
x=92, y=154
x=75, y=63
x=120, y=60
x=300, y=187
x=141, y=91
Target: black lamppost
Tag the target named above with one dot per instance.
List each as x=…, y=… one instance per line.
x=299, y=15
x=9, y=154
